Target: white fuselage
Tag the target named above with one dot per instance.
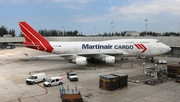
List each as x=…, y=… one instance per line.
x=126, y=46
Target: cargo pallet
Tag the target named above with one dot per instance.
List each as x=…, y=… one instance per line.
x=178, y=79
x=108, y=82
x=157, y=81
x=113, y=81
x=122, y=79
x=173, y=71
x=70, y=96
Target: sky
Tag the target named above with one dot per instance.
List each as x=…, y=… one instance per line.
x=92, y=17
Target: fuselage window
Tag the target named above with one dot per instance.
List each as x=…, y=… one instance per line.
x=143, y=42
x=56, y=45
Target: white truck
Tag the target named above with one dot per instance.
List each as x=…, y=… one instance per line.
x=58, y=80
x=72, y=76
x=40, y=77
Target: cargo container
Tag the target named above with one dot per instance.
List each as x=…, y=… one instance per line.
x=173, y=71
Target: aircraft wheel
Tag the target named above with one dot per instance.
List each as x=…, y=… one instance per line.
x=152, y=61
x=60, y=83
x=33, y=83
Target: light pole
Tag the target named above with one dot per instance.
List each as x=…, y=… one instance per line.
x=94, y=30
x=156, y=71
x=45, y=30
x=79, y=29
x=144, y=67
x=179, y=28
x=111, y=27
x=146, y=25
x=63, y=30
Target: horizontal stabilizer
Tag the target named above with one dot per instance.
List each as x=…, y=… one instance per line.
x=24, y=45
x=39, y=56
x=30, y=45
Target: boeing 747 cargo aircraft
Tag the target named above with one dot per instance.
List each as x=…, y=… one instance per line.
x=81, y=52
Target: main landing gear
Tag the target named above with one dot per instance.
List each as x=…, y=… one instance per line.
x=150, y=59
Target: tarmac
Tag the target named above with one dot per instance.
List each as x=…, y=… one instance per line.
x=15, y=68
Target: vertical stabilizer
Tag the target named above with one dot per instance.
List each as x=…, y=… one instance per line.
x=33, y=39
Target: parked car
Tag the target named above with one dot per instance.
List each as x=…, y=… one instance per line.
x=36, y=78
x=58, y=80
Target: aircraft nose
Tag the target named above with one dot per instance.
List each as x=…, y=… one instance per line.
x=169, y=48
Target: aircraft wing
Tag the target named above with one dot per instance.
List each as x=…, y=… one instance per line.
x=100, y=53
x=92, y=54
x=25, y=45
x=85, y=54
x=39, y=56
x=29, y=45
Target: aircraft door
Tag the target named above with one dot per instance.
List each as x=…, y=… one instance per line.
x=142, y=48
x=148, y=49
x=137, y=48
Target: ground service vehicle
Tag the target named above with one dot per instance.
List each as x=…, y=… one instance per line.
x=72, y=76
x=58, y=80
x=161, y=61
x=40, y=77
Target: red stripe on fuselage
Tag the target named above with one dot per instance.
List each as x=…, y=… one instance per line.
x=140, y=45
x=144, y=47
x=137, y=46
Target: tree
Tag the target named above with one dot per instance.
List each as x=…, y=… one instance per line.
x=142, y=34
x=166, y=34
x=105, y=34
x=53, y=33
x=21, y=34
x=75, y=33
x=117, y=34
x=3, y=31
x=12, y=32
x=123, y=33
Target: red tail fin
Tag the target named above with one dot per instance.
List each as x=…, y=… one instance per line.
x=32, y=37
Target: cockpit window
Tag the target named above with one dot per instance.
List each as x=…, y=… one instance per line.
x=158, y=41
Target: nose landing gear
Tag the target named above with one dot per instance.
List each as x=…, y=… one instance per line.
x=152, y=59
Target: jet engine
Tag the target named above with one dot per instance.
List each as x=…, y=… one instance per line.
x=80, y=61
x=109, y=59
